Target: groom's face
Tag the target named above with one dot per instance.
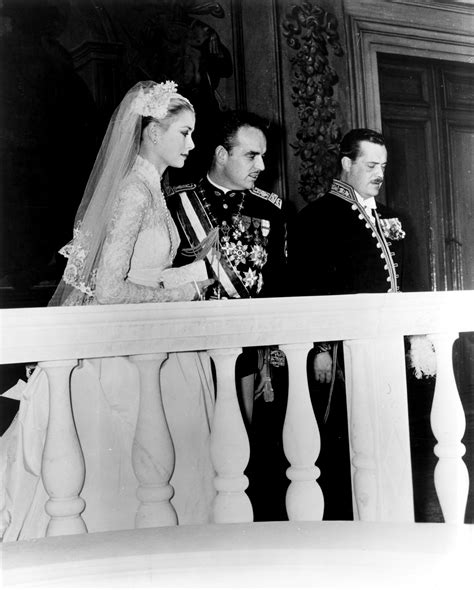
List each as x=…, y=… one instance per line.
x=243, y=163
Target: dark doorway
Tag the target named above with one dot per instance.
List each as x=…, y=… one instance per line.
x=427, y=109
x=428, y=122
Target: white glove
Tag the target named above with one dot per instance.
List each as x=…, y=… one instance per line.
x=323, y=367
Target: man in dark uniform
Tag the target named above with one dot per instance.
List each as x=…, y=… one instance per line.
x=344, y=242
x=241, y=227
x=245, y=222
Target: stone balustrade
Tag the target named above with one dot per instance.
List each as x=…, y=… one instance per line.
x=372, y=328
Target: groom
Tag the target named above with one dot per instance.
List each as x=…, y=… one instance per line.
x=245, y=222
x=245, y=226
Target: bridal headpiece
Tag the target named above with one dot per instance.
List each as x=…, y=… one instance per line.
x=114, y=161
x=154, y=101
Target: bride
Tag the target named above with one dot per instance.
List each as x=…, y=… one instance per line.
x=123, y=247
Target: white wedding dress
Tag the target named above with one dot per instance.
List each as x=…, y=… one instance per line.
x=141, y=244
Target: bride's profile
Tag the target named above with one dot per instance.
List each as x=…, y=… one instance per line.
x=122, y=251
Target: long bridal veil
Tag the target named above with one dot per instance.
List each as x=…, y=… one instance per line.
x=115, y=159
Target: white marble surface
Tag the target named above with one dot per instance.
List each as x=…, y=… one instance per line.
x=323, y=555
x=36, y=334
x=104, y=331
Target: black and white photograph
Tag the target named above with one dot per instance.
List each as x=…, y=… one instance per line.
x=237, y=294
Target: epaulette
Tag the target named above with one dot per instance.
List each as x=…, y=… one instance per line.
x=172, y=190
x=272, y=197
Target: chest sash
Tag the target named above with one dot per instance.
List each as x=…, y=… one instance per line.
x=199, y=230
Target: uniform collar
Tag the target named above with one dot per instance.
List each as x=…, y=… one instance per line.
x=218, y=186
x=348, y=193
x=231, y=192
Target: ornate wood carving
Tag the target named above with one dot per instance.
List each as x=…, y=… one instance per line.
x=309, y=30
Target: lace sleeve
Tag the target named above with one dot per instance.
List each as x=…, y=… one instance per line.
x=112, y=285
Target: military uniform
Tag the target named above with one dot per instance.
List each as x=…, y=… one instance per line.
x=337, y=246
x=249, y=235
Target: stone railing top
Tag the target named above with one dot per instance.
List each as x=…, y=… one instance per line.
x=36, y=334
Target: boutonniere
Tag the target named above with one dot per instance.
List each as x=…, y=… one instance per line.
x=422, y=356
x=392, y=228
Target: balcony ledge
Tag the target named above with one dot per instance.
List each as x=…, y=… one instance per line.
x=260, y=555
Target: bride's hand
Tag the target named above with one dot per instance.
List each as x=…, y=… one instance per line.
x=200, y=288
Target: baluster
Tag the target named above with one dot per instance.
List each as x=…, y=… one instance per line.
x=448, y=424
x=62, y=468
x=230, y=449
x=379, y=431
x=152, y=452
x=301, y=440
x=360, y=370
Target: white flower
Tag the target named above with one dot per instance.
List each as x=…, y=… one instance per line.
x=154, y=102
x=392, y=228
x=422, y=356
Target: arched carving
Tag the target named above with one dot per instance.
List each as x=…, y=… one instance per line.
x=309, y=30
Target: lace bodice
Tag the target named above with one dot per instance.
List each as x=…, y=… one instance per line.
x=141, y=243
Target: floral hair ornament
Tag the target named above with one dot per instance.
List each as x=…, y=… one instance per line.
x=392, y=228
x=154, y=102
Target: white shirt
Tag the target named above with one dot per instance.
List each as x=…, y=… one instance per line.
x=369, y=204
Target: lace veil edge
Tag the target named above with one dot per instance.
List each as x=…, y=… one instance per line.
x=114, y=161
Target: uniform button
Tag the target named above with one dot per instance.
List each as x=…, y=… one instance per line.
x=354, y=207
x=385, y=267
x=225, y=205
x=378, y=245
x=361, y=216
x=382, y=255
x=373, y=234
x=389, y=291
x=367, y=225
x=388, y=279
